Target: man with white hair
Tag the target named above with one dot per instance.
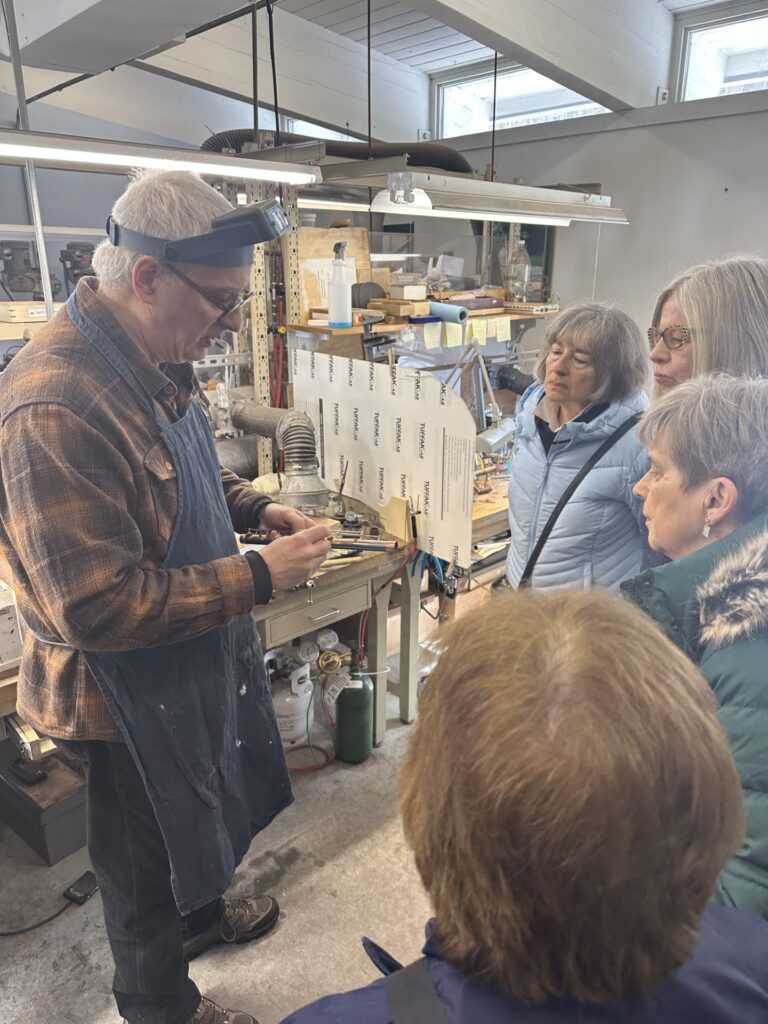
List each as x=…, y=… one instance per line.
x=119, y=524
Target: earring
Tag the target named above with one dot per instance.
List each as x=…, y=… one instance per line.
x=707, y=527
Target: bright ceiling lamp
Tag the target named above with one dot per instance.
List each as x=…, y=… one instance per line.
x=422, y=206
x=427, y=194
x=342, y=205
x=64, y=151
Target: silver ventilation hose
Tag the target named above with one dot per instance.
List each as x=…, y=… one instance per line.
x=294, y=432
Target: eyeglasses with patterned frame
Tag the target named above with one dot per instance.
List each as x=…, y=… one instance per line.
x=227, y=308
x=672, y=341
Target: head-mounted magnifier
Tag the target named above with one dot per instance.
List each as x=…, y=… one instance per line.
x=229, y=244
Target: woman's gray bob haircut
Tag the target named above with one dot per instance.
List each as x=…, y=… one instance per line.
x=716, y=425
x=725, y=304
x=165, y=204
x=619, y=351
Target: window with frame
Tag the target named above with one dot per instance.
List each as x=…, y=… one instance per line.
x=723, y=55
x=464, y=103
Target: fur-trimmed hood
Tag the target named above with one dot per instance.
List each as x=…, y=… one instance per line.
x=733, y=603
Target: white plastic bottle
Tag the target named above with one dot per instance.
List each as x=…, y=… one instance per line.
x=339, y=291
x=518, y=276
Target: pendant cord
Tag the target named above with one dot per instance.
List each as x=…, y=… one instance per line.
x=493, y=118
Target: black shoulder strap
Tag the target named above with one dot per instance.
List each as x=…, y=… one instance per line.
x=567, y=494
x=413, y=998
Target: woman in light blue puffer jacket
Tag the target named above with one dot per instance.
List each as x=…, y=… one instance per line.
x=591, y=372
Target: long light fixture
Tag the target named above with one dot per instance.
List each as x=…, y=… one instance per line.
x=64, y=151
x=421, y=205
x=427, y=194
x=342, y=205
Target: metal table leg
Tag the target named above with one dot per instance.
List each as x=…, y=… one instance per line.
x=409, y=598
x=377, y=662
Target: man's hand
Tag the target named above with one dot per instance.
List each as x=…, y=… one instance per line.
x=283, y=519
x=292, y=560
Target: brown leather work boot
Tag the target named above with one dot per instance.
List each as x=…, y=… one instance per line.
x=243, y=919
x=209, y=1013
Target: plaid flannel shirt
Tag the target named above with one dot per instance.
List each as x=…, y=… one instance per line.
x=88, y=503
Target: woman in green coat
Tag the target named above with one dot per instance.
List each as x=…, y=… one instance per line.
x=706, y=507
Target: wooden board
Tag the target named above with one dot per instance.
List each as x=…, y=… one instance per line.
x=317, y=244
x=25, y=312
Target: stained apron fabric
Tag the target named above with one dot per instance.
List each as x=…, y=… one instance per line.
x=197, y=716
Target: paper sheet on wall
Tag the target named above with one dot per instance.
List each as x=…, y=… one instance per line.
x=503, y=328
x=322, y=270
x=432, y=335
x=480, y=331
x=403, y=433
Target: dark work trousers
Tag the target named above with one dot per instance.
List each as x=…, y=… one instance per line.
x=130, y=861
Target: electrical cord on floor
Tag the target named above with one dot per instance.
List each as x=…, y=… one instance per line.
x=34, y=927
x=77, y=894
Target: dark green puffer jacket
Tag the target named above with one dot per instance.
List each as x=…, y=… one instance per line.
x=714, y=605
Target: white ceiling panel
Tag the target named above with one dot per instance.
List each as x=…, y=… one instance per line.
x=687, y=5
x=396, y=30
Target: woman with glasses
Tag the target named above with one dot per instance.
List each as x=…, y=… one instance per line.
x=712, y=318
x=588, y=393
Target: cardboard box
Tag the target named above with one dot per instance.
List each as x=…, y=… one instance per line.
x=25, y=312
x=417, y=292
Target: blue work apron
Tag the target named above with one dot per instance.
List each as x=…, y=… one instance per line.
x=197, y=715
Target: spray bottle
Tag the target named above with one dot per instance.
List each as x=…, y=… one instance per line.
x=339, y=290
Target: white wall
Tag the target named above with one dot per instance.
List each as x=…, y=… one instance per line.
x=616, y=52
x=691, y=178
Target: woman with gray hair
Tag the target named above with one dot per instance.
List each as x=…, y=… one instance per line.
x=706, y=505
x=577, y=421
x=713, y=318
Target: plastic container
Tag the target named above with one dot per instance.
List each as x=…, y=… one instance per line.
x=354, y=720
x=517, y=278
x=339, y=291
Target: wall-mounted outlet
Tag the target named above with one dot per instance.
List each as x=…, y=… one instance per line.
x=423, y=135
x=662, y=95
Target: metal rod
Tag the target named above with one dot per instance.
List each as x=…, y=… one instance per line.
x=255, y=71
x=493, y=122
x=29, y=166
x=370, y=123
x=58, y=88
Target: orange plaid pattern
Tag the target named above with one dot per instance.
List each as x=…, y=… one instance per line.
x=88, y=503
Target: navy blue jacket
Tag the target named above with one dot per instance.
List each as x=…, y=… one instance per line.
x=725, y=982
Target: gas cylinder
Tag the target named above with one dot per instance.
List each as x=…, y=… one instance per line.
x=354, y=719
x=292, y=691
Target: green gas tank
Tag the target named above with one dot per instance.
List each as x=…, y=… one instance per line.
x=354, y=719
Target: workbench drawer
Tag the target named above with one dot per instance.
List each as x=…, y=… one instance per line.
x=324, y=611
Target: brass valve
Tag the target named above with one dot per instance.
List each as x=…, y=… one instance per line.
x=330, y=662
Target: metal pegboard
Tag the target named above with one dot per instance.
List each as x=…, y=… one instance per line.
x=255, y=193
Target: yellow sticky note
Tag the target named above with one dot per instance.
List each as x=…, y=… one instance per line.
x=432, y=333
x=454, y=334
x=491, y=327
x=480, y=330
x=503, y=329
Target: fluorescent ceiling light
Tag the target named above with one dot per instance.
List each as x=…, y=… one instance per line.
x=29, y=229
x=423, y=206
x=70, y=151
x=431, y=194
x=391, y=257
x=310, y=203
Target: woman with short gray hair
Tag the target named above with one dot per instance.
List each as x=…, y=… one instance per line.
x=705, y=500
x=712, y=319
x=587, y=397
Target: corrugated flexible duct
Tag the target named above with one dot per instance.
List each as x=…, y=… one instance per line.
x=420, y=154
x=295, y=435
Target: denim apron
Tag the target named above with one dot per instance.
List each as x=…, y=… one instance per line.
x=197, y=715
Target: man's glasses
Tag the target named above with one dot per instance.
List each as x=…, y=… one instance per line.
x=227, y=308
x=674, y=336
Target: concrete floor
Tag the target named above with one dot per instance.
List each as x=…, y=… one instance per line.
x=336, y=860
